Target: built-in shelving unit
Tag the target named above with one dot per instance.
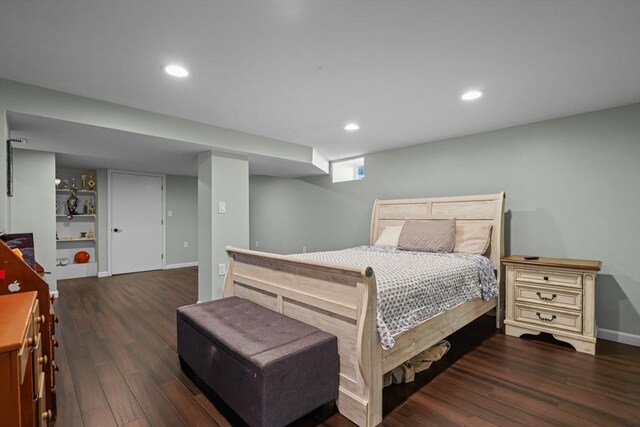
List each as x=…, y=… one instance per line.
x=68, y=230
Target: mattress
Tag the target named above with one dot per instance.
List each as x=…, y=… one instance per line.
x=414, y=286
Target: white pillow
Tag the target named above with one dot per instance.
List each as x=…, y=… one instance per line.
x=389, y=236
x=472, y=238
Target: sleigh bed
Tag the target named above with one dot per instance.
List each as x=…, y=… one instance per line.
x=342, y=300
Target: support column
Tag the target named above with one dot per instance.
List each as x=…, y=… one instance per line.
x=223, y=185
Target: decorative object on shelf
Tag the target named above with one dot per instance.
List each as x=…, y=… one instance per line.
x=62, y=261
x=56, y=207
x=92, y=206
x=85, y=208
x=83, y=182
x=91, y=234
x=74, y=186
x=92, y=182
x=83, y=234
x=72, y=204
x=65, y=184
x=57, y=181
x=81, y=257
x=57, y=238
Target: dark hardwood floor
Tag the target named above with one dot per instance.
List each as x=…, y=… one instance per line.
x=118, y=367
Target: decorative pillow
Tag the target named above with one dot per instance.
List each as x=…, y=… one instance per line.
x=389, y=236
x=434, y=235
x=472, y=238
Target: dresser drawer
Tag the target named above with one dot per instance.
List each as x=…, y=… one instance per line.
x=549, y=277
x=548, y=296
x=26, y=350
x=549, y=317
x=43, y=416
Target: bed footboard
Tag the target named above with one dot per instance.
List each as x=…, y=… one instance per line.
x=338, y=299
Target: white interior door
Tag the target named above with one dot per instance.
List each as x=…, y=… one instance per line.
x=136, y=223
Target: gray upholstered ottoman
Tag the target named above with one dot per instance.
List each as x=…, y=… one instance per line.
x=269, y=368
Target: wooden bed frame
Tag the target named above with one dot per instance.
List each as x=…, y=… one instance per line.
x=342, y=299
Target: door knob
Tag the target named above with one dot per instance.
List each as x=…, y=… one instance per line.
x=117, y=230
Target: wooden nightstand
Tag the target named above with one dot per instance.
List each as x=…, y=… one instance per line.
x=552, y=295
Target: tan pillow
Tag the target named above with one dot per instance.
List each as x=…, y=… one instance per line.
x=472, y=238
x=389, y=236
x=438, y=235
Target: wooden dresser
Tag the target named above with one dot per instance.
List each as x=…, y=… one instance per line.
x=552, y=295
x=22, y=379
x=26, y=319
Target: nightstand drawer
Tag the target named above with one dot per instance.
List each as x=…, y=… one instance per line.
x=548, y=317
x=548, y=296
x=549, y=277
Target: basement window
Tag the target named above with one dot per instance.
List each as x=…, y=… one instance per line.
x=347, y=170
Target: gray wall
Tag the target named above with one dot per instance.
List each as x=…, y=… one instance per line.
x=572, y=184
x=221, y=178
x=32, y=207
x=182, y=225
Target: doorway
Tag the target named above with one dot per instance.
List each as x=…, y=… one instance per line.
x=136, y=222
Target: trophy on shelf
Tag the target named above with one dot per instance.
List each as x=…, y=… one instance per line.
x=92, y=206
x=74, y=187
x=85, y=208
x=65, y=184
x=72, y=204
x=91, y=234
x=83, y=180
x=92, y=182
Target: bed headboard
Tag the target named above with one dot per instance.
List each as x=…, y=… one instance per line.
x=487, y=208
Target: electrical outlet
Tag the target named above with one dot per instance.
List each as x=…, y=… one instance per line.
x=304, y=249
x=222, y=269
x=186, y=244
x=169, y=213
x=257, y=244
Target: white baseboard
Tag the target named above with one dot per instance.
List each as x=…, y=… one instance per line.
x=181, y=265
x=54, y=294
x=103, y=274
x=617, y=336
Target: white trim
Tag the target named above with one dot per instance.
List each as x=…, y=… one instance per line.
x=109, y=215
x=54, y=294
x=181, y=265
x=103, y=274
x=109, y=225
x=617, y=336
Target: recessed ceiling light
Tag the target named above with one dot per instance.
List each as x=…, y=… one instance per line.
x=352, y=126
x=471, y=95
x=176, y=71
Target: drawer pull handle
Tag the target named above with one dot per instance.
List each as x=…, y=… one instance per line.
x=553, y=296
x=47, y=416
x=546, y=319
x=545, y=277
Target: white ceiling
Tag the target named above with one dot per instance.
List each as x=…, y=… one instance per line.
x=298, y=71
x=83, y=146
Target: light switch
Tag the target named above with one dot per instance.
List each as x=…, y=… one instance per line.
x=169, y=213
x=222, y=269
x=222, y=207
